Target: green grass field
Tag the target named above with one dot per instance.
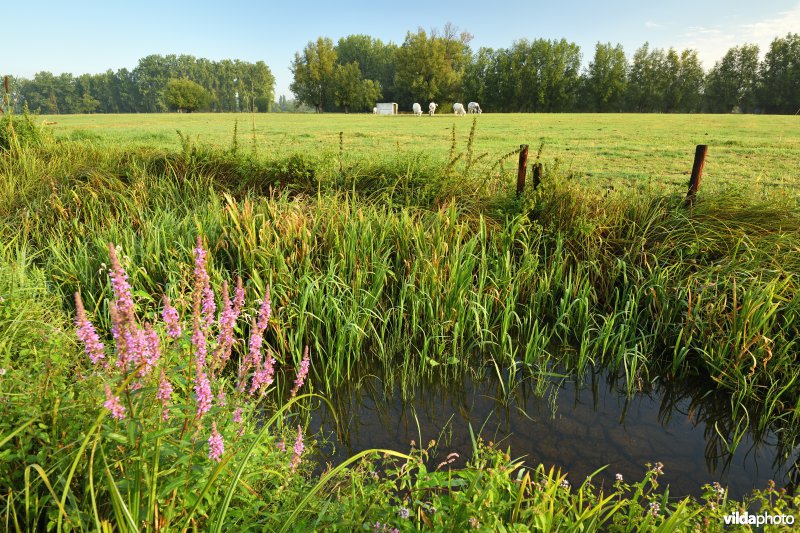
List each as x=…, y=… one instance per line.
x=611, y=150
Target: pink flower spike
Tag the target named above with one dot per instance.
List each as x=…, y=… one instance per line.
x=202, y=393
x=203, y=284
x=227, y=320
x=200, y=346
x=122, y=289
x=302, y=373
x=265, y=312
x=113, y=404
x=237, y=416
x=87, y=334
x=216, y=447
x=238, y=297
x=171, y=319
x=298, y=449
x=164, y=390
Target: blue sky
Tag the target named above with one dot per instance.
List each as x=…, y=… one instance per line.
x=92, y=36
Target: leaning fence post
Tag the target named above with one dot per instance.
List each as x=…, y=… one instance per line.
x=697, y=172
x=522, y=169
x=538, y=170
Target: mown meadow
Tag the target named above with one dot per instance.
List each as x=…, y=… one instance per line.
x=396, y=247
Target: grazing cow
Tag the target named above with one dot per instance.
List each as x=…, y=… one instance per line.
x=432, y=108
x=417, y=109
x=473, y=107
x=374, y=110
x=458, y=109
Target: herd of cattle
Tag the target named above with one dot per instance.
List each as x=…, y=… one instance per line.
x=458, y=109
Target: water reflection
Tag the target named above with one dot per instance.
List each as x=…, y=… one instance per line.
x=578, y=425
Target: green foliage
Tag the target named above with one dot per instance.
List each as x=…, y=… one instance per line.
x=732, y=83
x=429, y=67
x=779, y=86
x=352, y=92
x=142, y=90
x=313, y=72
x=401, y=263
x=375, y=60
x=185, y=95
x=17, y=131
x=607, y=78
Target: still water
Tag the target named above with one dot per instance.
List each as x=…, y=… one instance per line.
x=576, y=426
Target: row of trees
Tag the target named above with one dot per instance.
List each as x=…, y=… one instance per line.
x=158, y=83
x=543, y=76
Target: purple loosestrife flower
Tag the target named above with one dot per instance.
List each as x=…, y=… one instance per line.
x=164, y=394
x=237, y=415
x=238, y=297
x=202, y=393
x=221, y=397
x=164, y=390
x=281, y=445
x=216, y=447
x=265, y=312
x=227, y=320
x=263, y=376
x=129, y=347
x=122, y=289
x=87, y=334
x=209, y=307
x=171, y=319
x=204, y=296
x=200, y=347
x=113, y=404
x=298, y=449
x=150, y=350
x=302, y=373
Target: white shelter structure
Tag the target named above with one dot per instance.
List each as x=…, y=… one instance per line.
x=389, y=108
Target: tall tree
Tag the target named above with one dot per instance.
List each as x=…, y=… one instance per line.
x=313, y=72
x=185, y=95
x=353, y=92
x=429, y=67
x=606, y=78
x=647, y=81
x=732, y=82
x=375, y=60
x=780, y=76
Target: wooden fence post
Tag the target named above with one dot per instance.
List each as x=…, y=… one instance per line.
x=522, y=169
x=697, y=172
x=538, y=170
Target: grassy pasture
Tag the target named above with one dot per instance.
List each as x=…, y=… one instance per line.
x=636, y=151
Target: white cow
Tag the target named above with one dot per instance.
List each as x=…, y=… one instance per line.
x=417, y=109
x=458, y=109
x=473, y=107
x=432, y=108
x=374, y=110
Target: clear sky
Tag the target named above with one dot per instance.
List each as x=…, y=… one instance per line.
x=93, y=36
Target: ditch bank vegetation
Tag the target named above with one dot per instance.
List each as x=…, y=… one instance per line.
x=417, y=268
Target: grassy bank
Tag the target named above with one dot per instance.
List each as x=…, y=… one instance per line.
x=419, y=266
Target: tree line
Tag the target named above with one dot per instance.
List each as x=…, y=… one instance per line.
x=158, y=83
x=543, y=75
x=537, y=75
